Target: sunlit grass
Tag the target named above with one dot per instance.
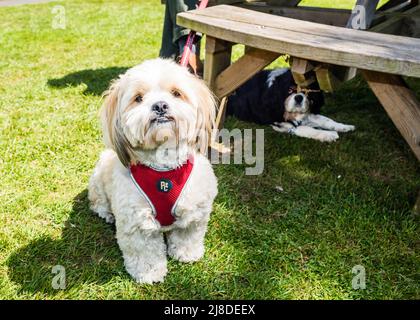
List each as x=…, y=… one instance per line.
x=338, y=4
x=343, y=204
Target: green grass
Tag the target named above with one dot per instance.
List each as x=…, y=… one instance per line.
x=339, y=4
x=343, y=204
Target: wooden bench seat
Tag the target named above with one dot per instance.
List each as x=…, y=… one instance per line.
x=308, y=40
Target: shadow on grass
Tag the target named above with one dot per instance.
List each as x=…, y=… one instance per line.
x=96, y=80
x=86, y=248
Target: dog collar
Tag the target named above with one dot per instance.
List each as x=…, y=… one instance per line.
x=162, y=188
x=298, y=89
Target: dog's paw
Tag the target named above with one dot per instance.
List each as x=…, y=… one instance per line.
x=281, y=127
x=346, y=128
x=103, y=213
x=157, y=274
x=186, y=253
x=109, y=218
x=328, y=136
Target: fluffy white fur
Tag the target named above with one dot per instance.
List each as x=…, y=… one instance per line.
x=135, y=133
x=307, y=125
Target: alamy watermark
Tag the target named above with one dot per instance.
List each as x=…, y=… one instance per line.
x=239, y=147
x=59, y=17
x=59, y=280
x=359, y=280
x=358, y=21
x=243, y=149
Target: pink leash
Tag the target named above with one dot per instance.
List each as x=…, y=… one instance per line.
x=190, y=40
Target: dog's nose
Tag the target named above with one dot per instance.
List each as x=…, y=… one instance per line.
x=160, y=107
x=298, y=98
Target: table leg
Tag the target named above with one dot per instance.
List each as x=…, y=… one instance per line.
x=400, y=103
x=253, y=61
x=218, y=56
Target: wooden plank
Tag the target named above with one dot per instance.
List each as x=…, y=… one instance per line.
x=262, y=21
x=328, y=16
x=248, y=65
x=300, y=69
x=326, y=78
x=411, y=27
x=221, y=114
x=302, y=66
x=393, y=9
x=393, y=25
x=290, y=3
x=392, y=4
x=330, y=77
x=390, y=26
x=307, y=40
x=217, y=58
x=400, y=103
x=247, y=49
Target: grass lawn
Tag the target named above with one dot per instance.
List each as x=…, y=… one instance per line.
x=344, y=204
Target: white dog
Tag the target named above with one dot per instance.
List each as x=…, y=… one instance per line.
x=304, y=124
x=153, y=180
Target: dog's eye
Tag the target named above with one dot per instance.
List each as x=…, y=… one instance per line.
x=176, y=93
x=139, y=98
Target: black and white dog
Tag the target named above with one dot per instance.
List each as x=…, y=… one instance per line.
x=271, y=98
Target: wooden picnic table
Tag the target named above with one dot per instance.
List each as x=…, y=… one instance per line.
x=321, y=42
x=383, y=58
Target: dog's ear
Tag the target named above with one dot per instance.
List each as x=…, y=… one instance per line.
x=114, y=138
x=316, y=99
x=206, y=115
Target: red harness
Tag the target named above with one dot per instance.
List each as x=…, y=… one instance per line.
x=162, y=189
